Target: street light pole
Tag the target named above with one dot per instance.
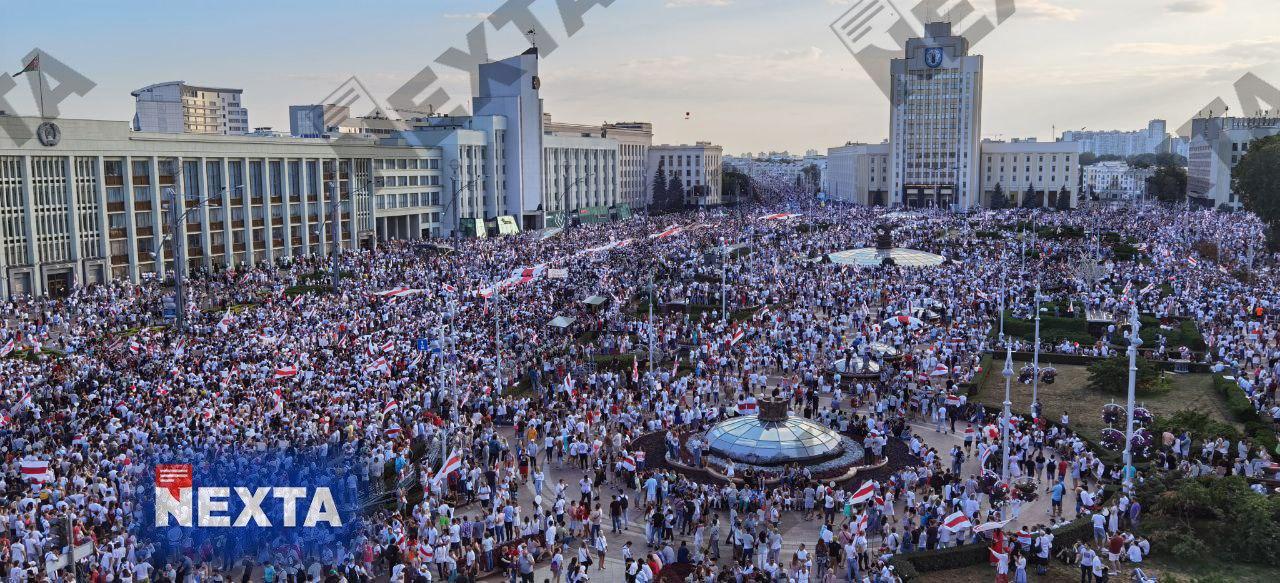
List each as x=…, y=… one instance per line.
x=1134, y=342
x=1004, y=421
x=651, y=331
x=1035, y=363
x=724, y=289
x=497, y=337
x=179, y=257
x=335, y=217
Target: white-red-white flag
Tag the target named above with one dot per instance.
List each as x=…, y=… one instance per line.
x=36, y=470
x=864, y=493
x=452, y=464
x=285, y=372
x=956, y=521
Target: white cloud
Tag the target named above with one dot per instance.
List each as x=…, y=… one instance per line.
x=1244, y=48
x=687, y=3
x=465, y=15
x=1044, y=9
x=1194, y=6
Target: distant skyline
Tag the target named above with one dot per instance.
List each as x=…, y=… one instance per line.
x=752, y=74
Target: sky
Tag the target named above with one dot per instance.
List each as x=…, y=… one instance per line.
x=752, y=75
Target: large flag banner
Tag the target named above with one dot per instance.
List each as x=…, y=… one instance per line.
x=36, y=471
x=452, y=464
x=957, y=521
x=864, y=493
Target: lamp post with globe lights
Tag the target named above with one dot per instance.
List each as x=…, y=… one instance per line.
x=1134, y=342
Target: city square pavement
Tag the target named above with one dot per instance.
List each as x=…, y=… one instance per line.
x=795, y=529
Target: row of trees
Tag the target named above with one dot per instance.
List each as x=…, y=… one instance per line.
x=1030, y=199
x=668, y=191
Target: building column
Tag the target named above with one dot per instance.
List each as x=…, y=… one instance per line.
x=268, y=245
x=205, y=200
x=73, y=221
x=247, y=197
x=157, y=219
x=353, y=231
x=130, y=224
x=29, y=223
x=305, y=225
x=286, y=196
x=180, y=207
x=324, y=199
x=228, y=229
x=104, y=242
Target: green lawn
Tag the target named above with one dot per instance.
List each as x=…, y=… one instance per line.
x=1069, y=393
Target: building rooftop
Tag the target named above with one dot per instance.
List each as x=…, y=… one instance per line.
x=184, y=83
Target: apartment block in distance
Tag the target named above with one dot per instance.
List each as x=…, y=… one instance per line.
x=178, y=108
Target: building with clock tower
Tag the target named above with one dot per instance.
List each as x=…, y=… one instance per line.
x=936, y=122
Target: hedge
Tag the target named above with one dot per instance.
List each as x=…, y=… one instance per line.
x=1242, y=409
x=1052, y=328
x=909, y=566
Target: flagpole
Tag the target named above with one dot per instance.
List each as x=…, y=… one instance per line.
x=40, y=85
x=497, y=337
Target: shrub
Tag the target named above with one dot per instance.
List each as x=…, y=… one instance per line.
x=1196, y=422
x=1218, y=516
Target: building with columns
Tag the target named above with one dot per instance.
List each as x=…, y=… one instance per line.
x=699, y=167
x=1116, y=180
x=91, y=206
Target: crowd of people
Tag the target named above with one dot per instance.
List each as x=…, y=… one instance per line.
x=500, y=445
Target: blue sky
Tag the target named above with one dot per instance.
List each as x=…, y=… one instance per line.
x=754, y=74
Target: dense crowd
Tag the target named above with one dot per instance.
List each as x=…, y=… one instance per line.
x=458, y=442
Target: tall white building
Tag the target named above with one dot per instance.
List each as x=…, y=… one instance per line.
x=510, y=88
x=1217, y=145
x=1152, y=140
x=1114, y=179
x=936, y=121
x=698, y=167
x=177, y=108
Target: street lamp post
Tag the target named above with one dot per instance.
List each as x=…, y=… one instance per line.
x=1134, y=342
x=335, y=217
x=1035, y=363
x=724, y=289
x=179, y=243
x=1004, y=420
x=651, y=331
x=497, y=336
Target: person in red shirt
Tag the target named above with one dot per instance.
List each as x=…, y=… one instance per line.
x=1115, y=547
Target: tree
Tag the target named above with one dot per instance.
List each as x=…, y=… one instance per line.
x=1089, y=158
x=734, y=186
x=998, y=198
x=1168, y=184
x=675, y=192
x=658, y=197
x=1064, y=199
x=1029, y=199
x=813, y=175
x=1160, y=159
x=1256, y=179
